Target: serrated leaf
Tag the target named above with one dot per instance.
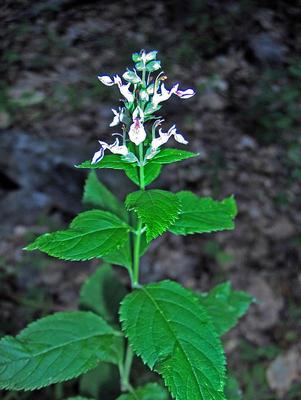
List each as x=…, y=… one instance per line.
x=168, y=156
x=97, y=194
x=56, y=348
x=225, y=306
x=158, y=210
x=113, y=161
x=200, y=215
x=171, y=331
x=93, y=233
x=151, y=172
x=151, y=391
x=102, y=293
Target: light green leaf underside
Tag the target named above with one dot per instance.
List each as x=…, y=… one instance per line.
x=102, y=293
x=201, y=215
x=151, y=172
x=151, y=391
x=225, y=306
x=168, y=156
x=97, y=194
x=112, y=161
x=93, y=233
x=158, y=210
x=56, y=348
x=176, y=339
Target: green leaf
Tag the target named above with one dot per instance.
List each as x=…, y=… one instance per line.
x=97, y=194
x=56, y=348
x=171, y=331
x=113, y=161
x=200, y=215
x=102, y=293
x=93, y=233
x=151, y=391
x=168, y=156
x=79, y=398
x=158, y=210
x=225, y=306
x=122, y=256
x=232, y=389
x=101, y=379
x=151, y=172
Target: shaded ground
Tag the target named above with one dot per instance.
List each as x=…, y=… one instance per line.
x=244, y=59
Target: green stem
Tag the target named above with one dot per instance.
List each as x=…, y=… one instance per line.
x=137, y=255
x=141, y=167
x=125, y=368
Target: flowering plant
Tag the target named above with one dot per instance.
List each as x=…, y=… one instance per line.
x=175, y=331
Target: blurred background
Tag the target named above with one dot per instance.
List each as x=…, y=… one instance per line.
x=243, y=58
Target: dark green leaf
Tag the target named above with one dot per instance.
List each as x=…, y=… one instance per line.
x=158, y=209
x=102, y=293
x=168, y=156
x=91, y=234
x=232, y=389
x=200, y=215
x=97, y=194
x=101, y=379
x=225, y=306
x=171, y=331
x=121, y=256
x=79, y=398
x=151, y=391
x=56, y=348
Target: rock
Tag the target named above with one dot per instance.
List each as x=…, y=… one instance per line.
x=247, y=143
x=280, y=229
x=212, y=101
x=5, y=120
x=264, y=314
x=38, y=175
x=283, y=371
x=267, y=49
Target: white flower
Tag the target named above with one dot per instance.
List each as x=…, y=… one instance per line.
x=164, y=95
x=115, y=148
x=163, y=138
x=185, y=94
x=137, y=132
x=117, y=117
x=124, y=89
x=106, y=80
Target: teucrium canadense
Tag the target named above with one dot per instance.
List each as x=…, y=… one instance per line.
x=175, y=332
